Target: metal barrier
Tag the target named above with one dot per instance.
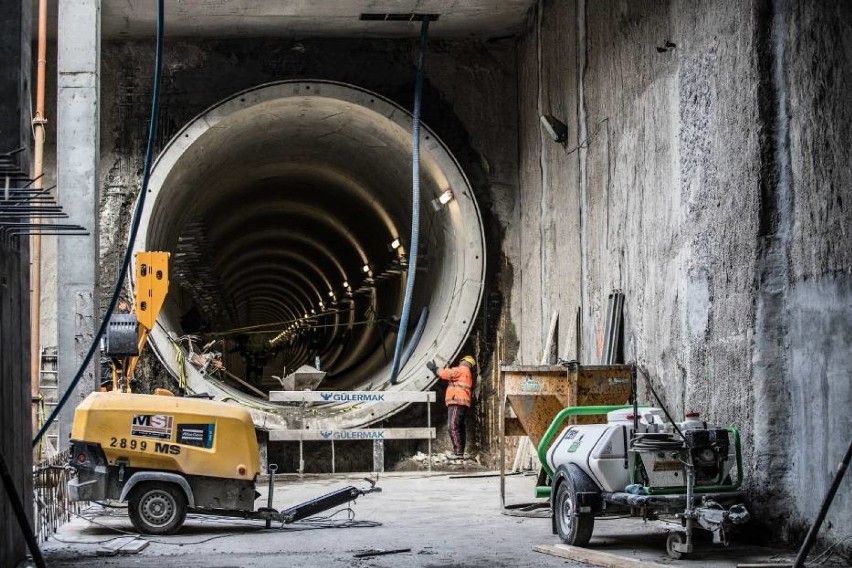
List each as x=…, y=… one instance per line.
x=51, y=506
x=377, y=435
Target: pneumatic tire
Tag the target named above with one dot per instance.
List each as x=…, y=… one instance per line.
x=157, y=508
x=574, y=528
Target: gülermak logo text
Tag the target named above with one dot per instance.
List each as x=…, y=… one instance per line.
x=352, y=397
x=353, y=434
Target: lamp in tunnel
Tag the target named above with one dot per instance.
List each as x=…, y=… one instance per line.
x=555, y=128
x=442, y=200
x=395, y=244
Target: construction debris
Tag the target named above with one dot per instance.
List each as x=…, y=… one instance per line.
x=592, y=557
x=125, y=545
x=379, y=552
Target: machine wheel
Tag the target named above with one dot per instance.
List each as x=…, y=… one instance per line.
x=157, y=508
x=574, y=528
x=671, y=540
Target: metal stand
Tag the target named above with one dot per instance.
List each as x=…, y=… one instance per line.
x=271, y=471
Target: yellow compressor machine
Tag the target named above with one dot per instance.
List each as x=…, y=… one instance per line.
x=168, y=455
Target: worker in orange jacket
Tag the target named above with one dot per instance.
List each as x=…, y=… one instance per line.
x=458, y=399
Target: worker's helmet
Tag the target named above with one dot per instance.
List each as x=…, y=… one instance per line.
x=469, y=360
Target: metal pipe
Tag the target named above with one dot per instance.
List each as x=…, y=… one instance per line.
x=35, y=240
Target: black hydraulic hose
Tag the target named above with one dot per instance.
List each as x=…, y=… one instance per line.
x=134, y=227
x=415, y=203
x=18, y=507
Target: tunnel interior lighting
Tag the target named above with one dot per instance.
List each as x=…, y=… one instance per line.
x=395, y=245
x=365, y=269
x=442, y=200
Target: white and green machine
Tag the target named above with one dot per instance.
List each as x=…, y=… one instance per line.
x=641, y=462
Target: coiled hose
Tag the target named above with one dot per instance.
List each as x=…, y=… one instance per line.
x=415, y=203
x=134, y=227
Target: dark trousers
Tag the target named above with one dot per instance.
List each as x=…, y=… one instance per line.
x=455, y=424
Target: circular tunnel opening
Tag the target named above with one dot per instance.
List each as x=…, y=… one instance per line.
x=287, y=211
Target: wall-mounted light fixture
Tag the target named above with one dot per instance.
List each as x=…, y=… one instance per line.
x=442, y=200
x=365, y=269
x=395, y=244
x=555, y=128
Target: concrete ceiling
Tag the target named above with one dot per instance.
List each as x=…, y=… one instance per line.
x=309, y=18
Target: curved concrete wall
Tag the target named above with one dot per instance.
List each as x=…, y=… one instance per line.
x=285, y=197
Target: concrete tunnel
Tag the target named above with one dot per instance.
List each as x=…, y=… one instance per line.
x=287, y=211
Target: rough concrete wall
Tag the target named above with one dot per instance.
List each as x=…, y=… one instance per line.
x=541, y=236
x=818, y=71
x=15, y=398
x=15, y=420
x=723, y=221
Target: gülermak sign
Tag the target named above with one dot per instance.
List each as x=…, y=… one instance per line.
x=352, y=397
x=353, y=434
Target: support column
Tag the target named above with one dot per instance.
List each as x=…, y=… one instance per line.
x=78, y=147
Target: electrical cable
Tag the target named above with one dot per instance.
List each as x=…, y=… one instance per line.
x=825, y=555
x=134, y=228
x=660, y=402
x=309, y=523
x=415, y=203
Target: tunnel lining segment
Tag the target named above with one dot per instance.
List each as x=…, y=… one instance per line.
x=368, y=127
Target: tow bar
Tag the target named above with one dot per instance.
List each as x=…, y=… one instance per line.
x=309, y=508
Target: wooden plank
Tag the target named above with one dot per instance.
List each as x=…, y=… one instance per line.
x=352, y=396
x=345, y=435
x=123, y=545
x=592, y=557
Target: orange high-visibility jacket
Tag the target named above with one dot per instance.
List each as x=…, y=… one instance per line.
x=460, y=385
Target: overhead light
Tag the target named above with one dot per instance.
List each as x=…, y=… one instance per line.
x=442, y=199
x=395, y=244
x=345, y=284
x=331, y=293
x=365, y=268
x=554, y=127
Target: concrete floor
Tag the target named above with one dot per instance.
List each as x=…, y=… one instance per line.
x=444, y=521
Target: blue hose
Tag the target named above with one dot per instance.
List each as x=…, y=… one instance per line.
x=134, y=227
x=415, y=203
